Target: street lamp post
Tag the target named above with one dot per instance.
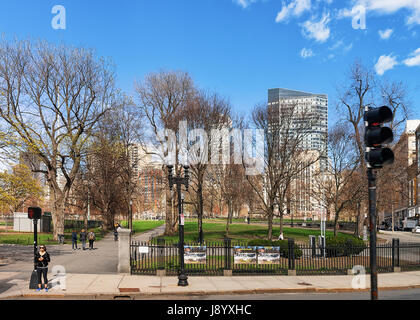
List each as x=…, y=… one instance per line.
x=179, y=181
x=34, y=214
x=130, y=218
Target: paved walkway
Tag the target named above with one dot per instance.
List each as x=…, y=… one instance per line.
x=103, y=259
x=107, y=285
x=146, y=236
x=16, y=263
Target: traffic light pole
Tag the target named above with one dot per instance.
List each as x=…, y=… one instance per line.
x=33, y=283
x=372, y=228
x=376, y=157
x=35, y=240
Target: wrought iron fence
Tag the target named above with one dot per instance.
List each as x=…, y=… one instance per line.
x=302, y=259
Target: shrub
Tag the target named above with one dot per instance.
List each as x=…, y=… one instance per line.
x=343, y=247
x=283, y=244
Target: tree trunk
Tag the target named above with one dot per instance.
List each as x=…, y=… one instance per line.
x=85, y=220
x=58, y=216
x=336, y=223
x=281, y=221
x=230, y=213
x=360, y=221
x=109, y=220
x=270, y=222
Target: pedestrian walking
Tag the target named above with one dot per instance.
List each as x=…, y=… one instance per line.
x=82, y=238
x=115, y=234
x=74, y=240
x=91, y=238
x=41, y=259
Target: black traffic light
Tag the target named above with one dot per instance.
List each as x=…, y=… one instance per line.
x=376, y=135
x=34, y=213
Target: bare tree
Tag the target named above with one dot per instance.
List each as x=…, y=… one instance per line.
x=229, y=179
x=333, y=188
x=203, y=113
x=52, y=97
x=364, y=89
x=160, y=97
x=393, y=187
x=285, y=128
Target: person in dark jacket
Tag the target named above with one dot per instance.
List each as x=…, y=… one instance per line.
x=41, y=259
x=115, y=234
x=91, y=238
x=74, y=240
x=82, y=238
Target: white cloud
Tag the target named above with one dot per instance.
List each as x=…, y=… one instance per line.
x=385, y=63
x=390, y=7
x=244, y=3
x=349, y=47
x=306, y=53
x=317, y=30
x=294, y=8
x=336, y=45
x=414, y=59
x=385, y=34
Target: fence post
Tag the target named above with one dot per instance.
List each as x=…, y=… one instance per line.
x=161, y=272
x=396, y=255
x=291, y=247
x=313, y=246
x=124, y=254
x=228, y=263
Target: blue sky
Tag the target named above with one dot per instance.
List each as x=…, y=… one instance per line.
x=239, y=48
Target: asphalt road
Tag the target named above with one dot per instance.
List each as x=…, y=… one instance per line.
x=404, y=236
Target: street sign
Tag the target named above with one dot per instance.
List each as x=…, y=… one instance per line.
x=182, y=222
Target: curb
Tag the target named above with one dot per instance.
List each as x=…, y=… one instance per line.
x=201, y=293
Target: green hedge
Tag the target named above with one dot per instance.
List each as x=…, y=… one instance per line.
x=283, y=244
x=343, y=247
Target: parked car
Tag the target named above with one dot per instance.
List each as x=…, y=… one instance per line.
x=416, y=230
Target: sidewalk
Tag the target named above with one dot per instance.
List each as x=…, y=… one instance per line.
x=127, y=285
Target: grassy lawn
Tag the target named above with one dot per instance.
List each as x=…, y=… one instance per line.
x=143, y=226
x=27, y=238
x=215, y=232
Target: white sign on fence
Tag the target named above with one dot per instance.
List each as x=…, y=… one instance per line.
x=144, y=249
